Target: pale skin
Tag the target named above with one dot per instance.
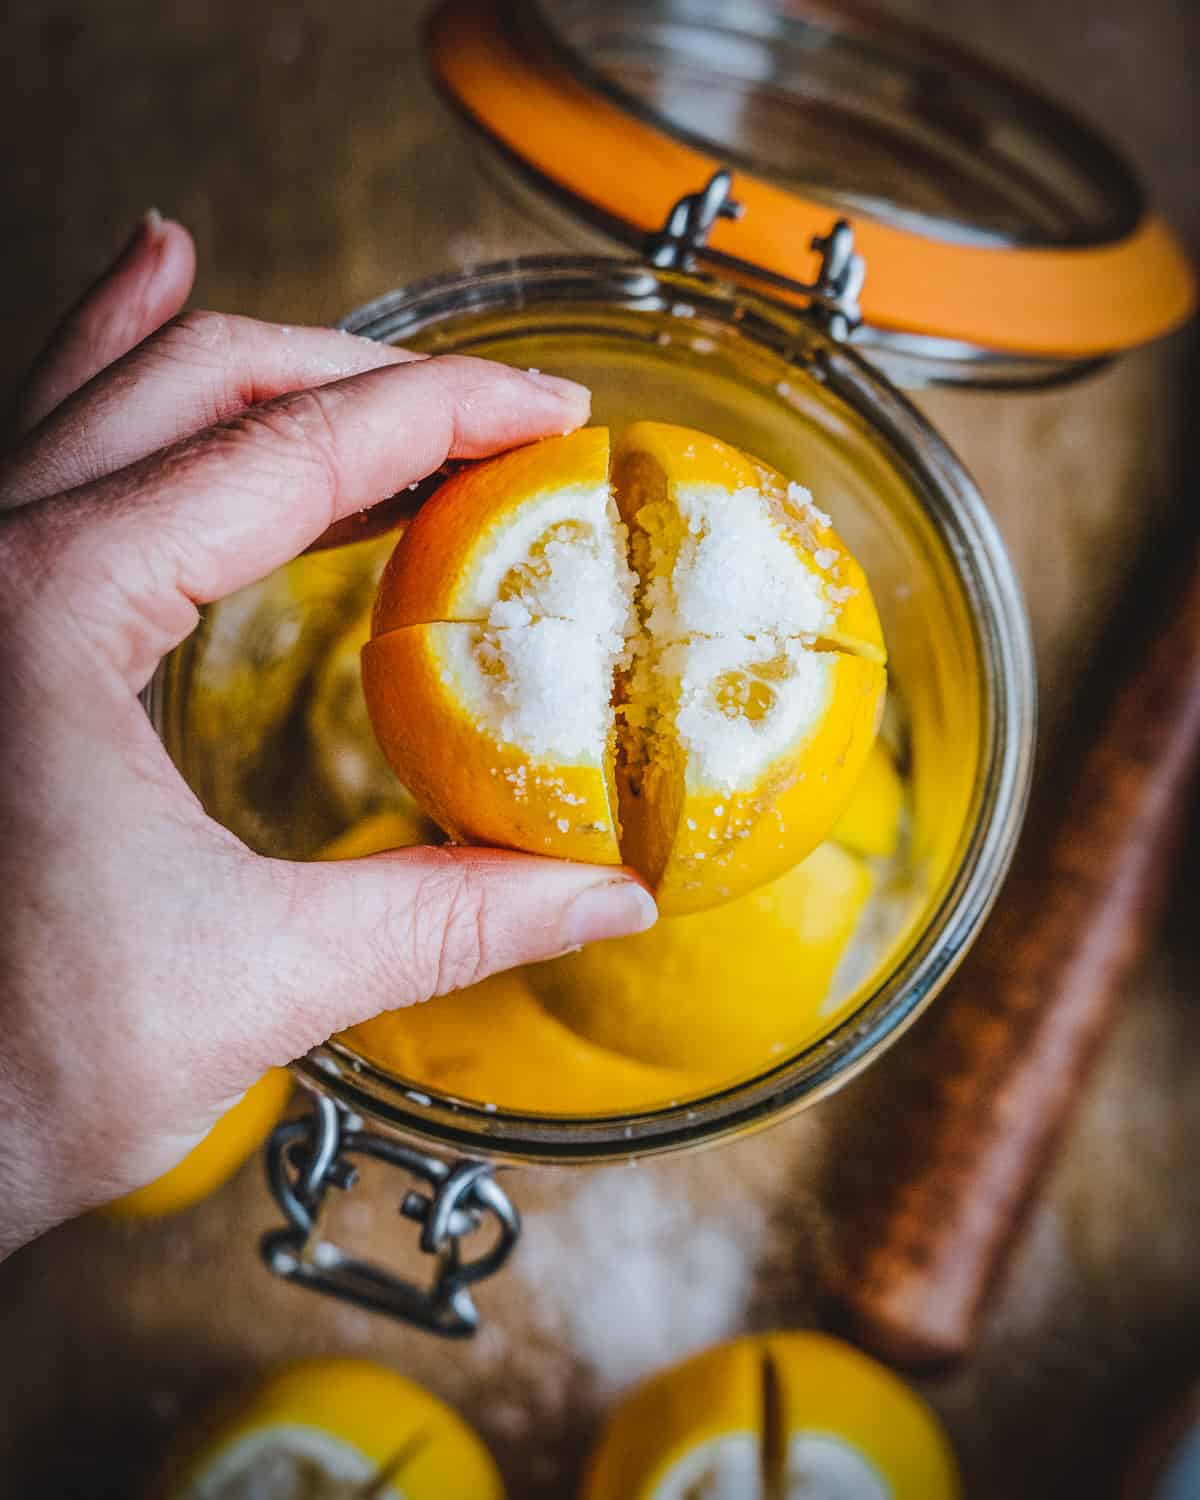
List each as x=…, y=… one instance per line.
x=151, y=966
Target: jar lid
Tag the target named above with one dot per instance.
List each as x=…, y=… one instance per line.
x=1003, y=240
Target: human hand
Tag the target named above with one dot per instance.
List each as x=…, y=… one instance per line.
x=154, y=967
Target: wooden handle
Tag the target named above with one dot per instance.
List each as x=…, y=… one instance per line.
x=1012, y=1043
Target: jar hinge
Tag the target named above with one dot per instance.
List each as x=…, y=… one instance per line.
x=833, y=299
x=306, y=1157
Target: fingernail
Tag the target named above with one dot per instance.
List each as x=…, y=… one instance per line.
x=148, y=232
x=565, y=390
x=613, y=908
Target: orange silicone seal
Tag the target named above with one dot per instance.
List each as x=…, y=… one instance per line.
x=1070, y=302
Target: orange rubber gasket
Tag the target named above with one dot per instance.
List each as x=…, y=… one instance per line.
x=1073, y=302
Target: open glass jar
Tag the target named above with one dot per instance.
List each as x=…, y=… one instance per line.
x=262, y=723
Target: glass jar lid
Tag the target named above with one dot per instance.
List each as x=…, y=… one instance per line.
x=1004, y=241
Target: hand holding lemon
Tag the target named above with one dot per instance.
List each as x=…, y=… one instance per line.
x=661, y=655
x=155, y=967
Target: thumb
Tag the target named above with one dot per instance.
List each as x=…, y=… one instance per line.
x=375, y=934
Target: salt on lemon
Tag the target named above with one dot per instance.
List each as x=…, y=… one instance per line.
x=663, y=656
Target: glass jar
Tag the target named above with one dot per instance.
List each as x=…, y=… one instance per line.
x=687, y=348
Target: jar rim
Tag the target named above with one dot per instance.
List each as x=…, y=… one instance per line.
x=953, y=505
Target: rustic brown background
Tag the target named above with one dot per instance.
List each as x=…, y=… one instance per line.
x=298, y=140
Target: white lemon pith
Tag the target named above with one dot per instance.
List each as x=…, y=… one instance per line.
x=289, y=1463
x=675, y=665
x=818, y=1467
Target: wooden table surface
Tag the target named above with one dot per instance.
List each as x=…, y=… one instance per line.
x=299, y=141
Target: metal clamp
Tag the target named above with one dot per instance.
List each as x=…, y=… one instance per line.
x=690, y=222
x=833, y=298
x=305, y=1158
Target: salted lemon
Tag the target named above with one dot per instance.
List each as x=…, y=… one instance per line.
x=496, y=635
x=492, y=1042
x=332, y=1429
x=785, y=1416
x=721, y=992
x=662, y=656
x=232, y=1140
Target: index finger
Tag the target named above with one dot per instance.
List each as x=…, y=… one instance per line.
x=143, y=547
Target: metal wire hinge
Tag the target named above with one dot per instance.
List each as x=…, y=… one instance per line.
x=833, y=298
x=305, y=1158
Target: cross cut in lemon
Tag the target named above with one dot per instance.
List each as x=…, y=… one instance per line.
x=776, y=1416
x=662, y=656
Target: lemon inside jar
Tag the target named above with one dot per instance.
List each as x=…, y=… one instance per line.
x=627, y=1026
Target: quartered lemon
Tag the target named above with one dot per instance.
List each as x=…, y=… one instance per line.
x=332, y=1429
x=232, y=1140
x=662, y=656
x=784, y=1416
x=492, y=1042
x=720, y=992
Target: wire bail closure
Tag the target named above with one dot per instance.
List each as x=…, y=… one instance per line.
x=833, y=299
x=306, y=1157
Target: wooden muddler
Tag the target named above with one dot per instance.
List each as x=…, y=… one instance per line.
x=1011, y=1043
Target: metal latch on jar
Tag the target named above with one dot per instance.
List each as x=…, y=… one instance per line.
x=306, y=1157
x=833, y=299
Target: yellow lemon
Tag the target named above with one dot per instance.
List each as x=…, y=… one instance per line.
x=719, y=992
x=232, y=1140
x=402, y=828
x=492, y=1042
x=870, y=824
x=663, y=656
x=265, y=640
x=489, y=677
x=332, y=1429
x=776, y=1417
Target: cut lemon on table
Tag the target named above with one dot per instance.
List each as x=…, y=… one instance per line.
x=784, y=1416
x=231, y=1142
x=718, y=993
x=332, y=1429
x=662, y=656
x=492, y=1042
